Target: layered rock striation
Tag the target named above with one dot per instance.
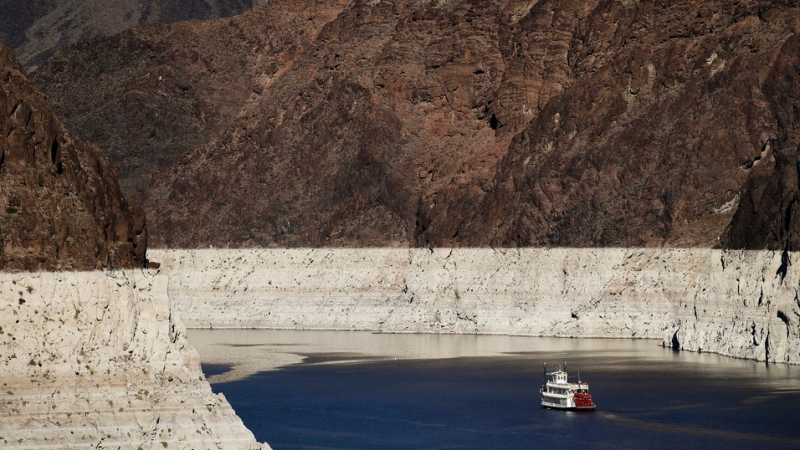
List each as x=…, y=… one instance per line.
x=62, y=207
x=460, y=123
x=100, y=360
x=736, y=303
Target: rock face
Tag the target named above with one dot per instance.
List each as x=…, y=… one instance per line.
x=62, y=207
x=176, y=87
x=100, y=360
x=87, y=359
x=440, y=123
x=736, y=303
x=36, y=29
x=679, y=131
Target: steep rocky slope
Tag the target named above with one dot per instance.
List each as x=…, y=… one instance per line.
x=170, y=89
x=61, y=204
x=684, y=131
x=36, y=29
x=94, y=360
x=465, y=122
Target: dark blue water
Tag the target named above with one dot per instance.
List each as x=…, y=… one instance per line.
x=647, y=398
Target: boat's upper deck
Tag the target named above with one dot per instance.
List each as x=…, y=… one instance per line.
x=559, y=379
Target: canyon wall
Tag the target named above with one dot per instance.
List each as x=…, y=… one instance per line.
x=504, y=123
x=737, y=303
x=100, y=360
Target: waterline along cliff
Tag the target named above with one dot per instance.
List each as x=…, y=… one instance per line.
x=737, y=303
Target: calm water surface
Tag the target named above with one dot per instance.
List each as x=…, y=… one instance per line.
x=481, y=392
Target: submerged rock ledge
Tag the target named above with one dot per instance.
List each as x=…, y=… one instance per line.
x=100, y=360
x=737, y=303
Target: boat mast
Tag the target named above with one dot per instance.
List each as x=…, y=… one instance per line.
x=544, y=375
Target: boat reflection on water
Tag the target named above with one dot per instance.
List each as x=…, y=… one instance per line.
x=559, y=393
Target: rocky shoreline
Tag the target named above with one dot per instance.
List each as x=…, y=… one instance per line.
x=736, y=303
x=100, y=360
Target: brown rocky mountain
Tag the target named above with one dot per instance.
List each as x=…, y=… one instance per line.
x=62, y=207
x=35, y=29
x=464, y=122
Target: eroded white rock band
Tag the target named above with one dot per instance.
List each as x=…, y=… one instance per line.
x=100, y=360
x=737, y=303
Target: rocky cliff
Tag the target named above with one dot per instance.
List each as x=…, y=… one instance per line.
x=36, y=29
x=680, y=130
x=93, y=360
x=736, y=303
x=466, y=122
x=62, y=207
x=88, y=359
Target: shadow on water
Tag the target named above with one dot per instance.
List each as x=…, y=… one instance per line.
x=714, y=434
x=210, y=370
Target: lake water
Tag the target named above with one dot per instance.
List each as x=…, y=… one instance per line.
x=356, y=390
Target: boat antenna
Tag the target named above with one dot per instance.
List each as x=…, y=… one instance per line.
x=565, y=366
x=579, y=376
x=544, y=374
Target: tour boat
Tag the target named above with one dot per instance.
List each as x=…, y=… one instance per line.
x=558, y=393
